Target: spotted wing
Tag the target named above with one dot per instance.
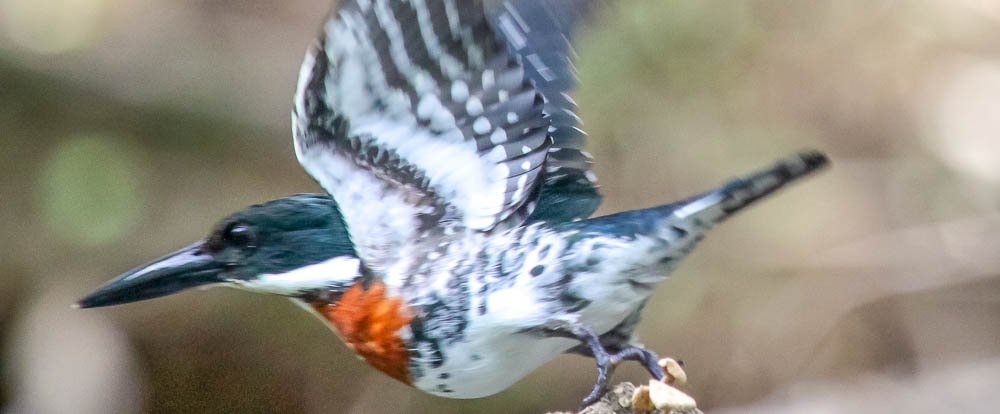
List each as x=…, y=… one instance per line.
x=417, y=118
x=540, y=32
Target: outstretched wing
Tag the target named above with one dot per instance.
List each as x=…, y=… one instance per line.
x=540, y=32
x=418, y=118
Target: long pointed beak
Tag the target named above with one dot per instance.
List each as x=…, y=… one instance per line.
x=183, y=269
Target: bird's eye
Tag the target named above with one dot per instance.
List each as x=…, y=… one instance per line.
x=240, y=235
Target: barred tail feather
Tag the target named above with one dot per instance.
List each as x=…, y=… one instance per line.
x=717, y=205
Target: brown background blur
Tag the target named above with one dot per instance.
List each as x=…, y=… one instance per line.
x=127, y=127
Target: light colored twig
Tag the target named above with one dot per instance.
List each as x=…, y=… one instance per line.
x=618, y=400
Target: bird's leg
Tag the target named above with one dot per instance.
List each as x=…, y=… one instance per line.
x=630, y=352
x=648, y=359
x=626, y=350
x=605, y=361
x=592, y=345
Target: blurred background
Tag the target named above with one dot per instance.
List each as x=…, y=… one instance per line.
x=128, y=127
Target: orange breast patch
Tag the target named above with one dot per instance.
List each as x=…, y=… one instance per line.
x=369, y=321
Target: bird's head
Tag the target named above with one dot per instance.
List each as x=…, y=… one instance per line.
x=290, y=246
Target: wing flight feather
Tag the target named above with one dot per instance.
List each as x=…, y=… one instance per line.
x=540, y=32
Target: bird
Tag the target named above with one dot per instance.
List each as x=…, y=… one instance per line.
x=455, y=249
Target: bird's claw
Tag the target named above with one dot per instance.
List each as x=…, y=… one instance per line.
x=605, y=367
x=647, y=358
x=606, y=363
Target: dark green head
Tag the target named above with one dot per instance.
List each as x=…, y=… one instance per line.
x=286, y=246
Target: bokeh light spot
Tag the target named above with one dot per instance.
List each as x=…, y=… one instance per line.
x=967, y=119
x=90, y=189
x=52, y=26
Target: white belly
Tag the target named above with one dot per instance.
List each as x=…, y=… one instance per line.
x=475, y=371
x=496, y=351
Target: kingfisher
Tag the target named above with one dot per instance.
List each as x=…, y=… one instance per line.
x=455, y=250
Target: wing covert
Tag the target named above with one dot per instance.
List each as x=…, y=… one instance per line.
x=416, y=117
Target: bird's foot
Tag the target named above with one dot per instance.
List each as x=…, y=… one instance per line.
x=647, y=358
x=606, y=361
x=605, y=367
